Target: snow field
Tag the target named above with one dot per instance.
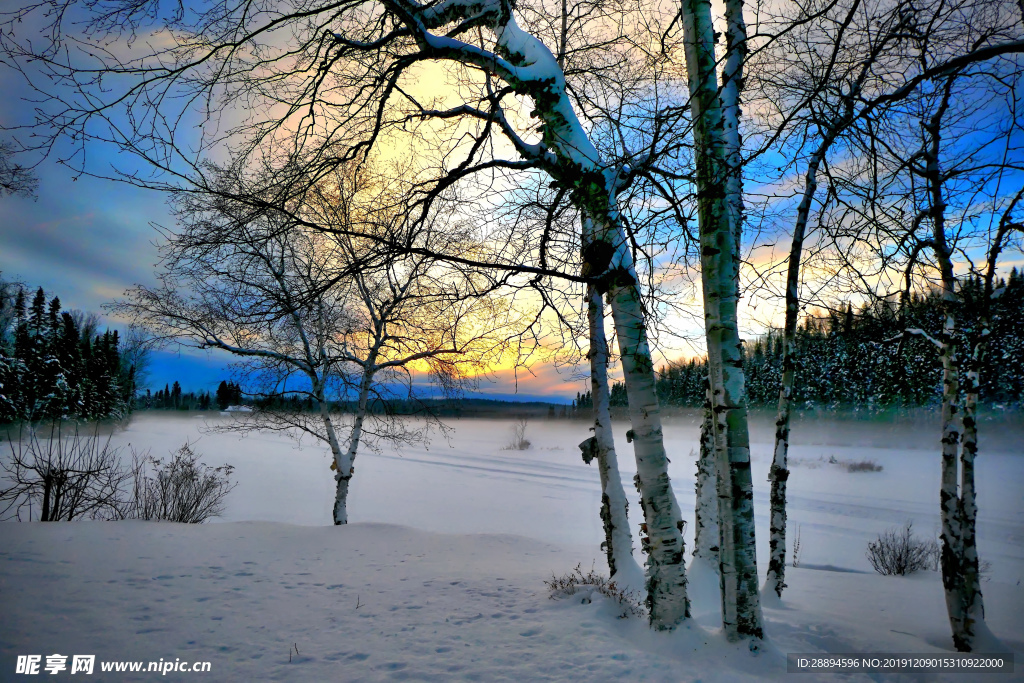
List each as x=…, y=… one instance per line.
x=469, y=604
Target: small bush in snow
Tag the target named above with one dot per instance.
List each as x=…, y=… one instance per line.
x=898, y=552
x=861, y=466
x=180, y=490
x=578, y=583
x=519, y=441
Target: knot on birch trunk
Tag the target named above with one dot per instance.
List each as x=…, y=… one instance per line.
x=589, y=450
x=596, y=258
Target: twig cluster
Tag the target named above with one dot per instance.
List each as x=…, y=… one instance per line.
x=898, y=552
x=576, y=582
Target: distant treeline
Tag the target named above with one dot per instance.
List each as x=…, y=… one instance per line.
x=56, y=364
x=860, y=358
x=171, y=397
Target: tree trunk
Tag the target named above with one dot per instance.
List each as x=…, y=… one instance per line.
x=720, y=215
x=706, y=535
x=341, y=464
x=952, y=534
x=779, y=473
x=344, y=460
x=607, y=259
x=618, y=543
x=974, y=608
x=663, y=543
x=959, y=559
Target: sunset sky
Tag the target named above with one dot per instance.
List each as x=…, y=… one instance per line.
x=87, y=240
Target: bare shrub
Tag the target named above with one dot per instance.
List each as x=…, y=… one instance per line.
x=519, y=441
x=180, y=490
x=576, y=582
x=898, y=552
x=796, y=548
x=61, y=477
x=861, y=466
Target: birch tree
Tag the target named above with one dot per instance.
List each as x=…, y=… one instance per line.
x=618, y=542
x=937, y=185
x=716, y=135
x=828, y=70
x=319, y=316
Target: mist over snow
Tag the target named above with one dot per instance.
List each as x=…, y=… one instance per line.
x=439, y=576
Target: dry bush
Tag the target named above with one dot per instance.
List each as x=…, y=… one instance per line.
x=861, y=466
x=519, y=441
x=576, y=582
x=180, y=490
x=898, y=552
x=864, y=465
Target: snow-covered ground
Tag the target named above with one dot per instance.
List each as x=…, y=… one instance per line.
x=440, y=575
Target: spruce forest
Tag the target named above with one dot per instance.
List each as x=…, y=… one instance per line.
x=56, y=364
x=858, y=359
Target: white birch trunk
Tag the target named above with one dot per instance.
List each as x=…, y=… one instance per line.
x=667, y=599
x=719, y=210
x=341, y=464
x=705, y=534
x=346, y=465
x=974, y=608
x=952, y=534
x=618, y=543
x=959, y=559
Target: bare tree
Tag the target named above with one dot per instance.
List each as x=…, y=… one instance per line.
x=309, y=316
x=349, y=61
x=61, y=477
x=716, y=136
x=618, y=541
x=824, y=76
x=937, y=185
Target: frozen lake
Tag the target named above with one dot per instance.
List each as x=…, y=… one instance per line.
x=470, y=484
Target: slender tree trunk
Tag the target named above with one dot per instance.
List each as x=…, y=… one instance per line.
x=959, y=559
x=343, y=476
x=342, y=464
x=666, y=567
x=974, y=608
x=779, y=473
x=706, y=535
x=952, y=529
x=618, y=543
x=344, y=459
x=720, y=214
x=609, y=262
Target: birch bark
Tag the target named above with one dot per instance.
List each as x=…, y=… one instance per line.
x=667, y=598
x=716, y=138
x=618, y=541
x=959, y=559
x=705, y=534
x=566, y=152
